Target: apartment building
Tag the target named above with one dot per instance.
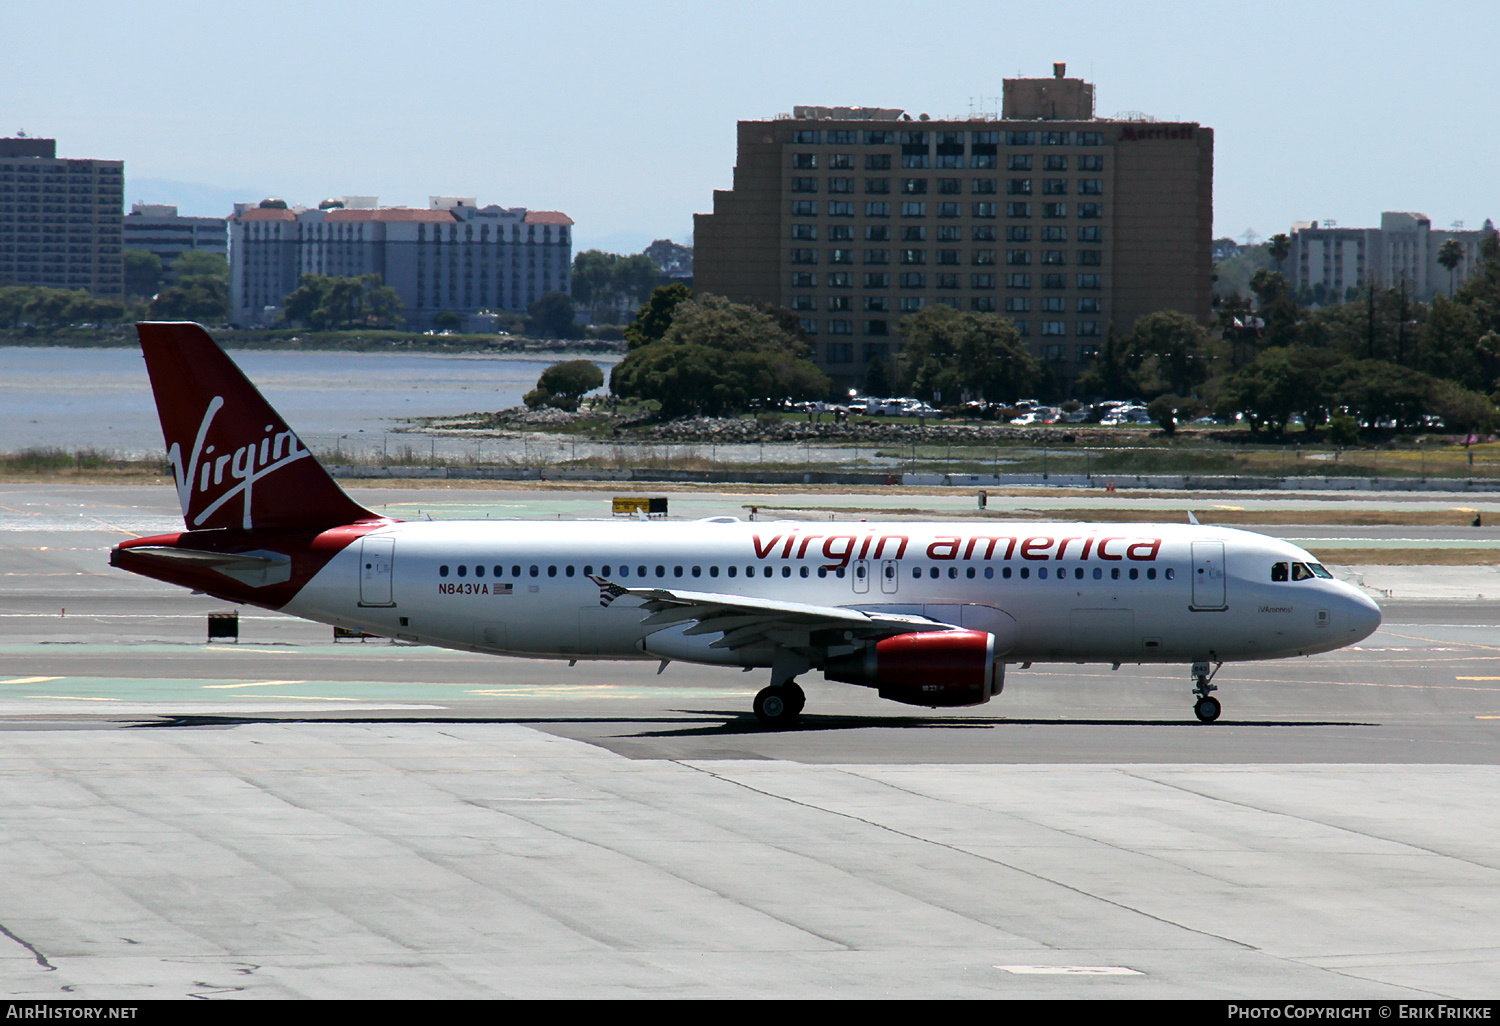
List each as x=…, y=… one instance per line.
x=60, y=219
x=452, y=255
x=1069, y=224
x=159, y=229
x=1404, y=248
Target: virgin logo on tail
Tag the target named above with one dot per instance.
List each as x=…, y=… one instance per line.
x=245, y=465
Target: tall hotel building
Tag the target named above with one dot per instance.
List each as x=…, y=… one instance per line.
x=452, y=256
x=60, y=219
x=1070, y=225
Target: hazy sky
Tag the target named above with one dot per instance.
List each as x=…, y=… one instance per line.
x=623, y=114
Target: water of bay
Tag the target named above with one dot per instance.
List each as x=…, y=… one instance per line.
x=101, y=398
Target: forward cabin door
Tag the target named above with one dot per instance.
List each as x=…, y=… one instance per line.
x=1208, y=576
x=377, y=555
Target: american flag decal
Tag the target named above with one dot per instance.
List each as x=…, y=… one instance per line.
x=608, y=590
x=502, y=589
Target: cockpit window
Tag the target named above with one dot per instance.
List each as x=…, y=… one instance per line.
x=1319, y=570
x=1278, y=571
x=1300, y=572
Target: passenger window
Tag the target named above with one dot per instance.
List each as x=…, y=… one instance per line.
x=443, y=570
x=916, y=572
x=952, y=573
x=661, y=571
x=1078, y=573
x=805, y=571
x=1041, y=573
x=1135, y=573
x=786, y=571
x=677, y=571
x=640, y=571
x=970, y=573
x=535, y=570
x=839, y=573
x=552, y=571
x=587, y=570
x=1278, y=571
x=1098, y=573
x=515, y=571
x=499, y=571
x=1151, y=573
x=713, y=571
x=933, y=573
x=568, y=570
x=1299, y=572
x=479, y=571
x=822, y=572
x=1025, y=572
x=1171, y=573
x=989, y=573
x=604, y=570
x=1114, y=573
x=697, y=571
x=733, y=570
x=463, y=571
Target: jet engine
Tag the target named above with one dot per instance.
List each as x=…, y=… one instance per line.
x=935, y=668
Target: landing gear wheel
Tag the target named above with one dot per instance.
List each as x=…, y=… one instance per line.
x=777, y=707
x=1207, y=709
x=796, y=697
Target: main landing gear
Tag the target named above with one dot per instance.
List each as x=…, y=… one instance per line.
x=1207, y=707
x=779, y=705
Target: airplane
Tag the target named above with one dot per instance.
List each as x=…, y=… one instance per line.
x=928, y=614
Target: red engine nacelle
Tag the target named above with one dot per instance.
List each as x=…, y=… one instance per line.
x=937, y=668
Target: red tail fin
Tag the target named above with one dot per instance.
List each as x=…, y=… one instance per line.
x=235, y=461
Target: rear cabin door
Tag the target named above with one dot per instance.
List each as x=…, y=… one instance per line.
x=377, y=555
x=1208, y=576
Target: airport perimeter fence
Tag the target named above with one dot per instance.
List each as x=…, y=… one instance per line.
x=824, y=462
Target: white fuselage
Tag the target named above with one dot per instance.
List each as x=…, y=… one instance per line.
x=1116, y=593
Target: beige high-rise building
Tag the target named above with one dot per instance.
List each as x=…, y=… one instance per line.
x=60, y=219
x=1069, y=224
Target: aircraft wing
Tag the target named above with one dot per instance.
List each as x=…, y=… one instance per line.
x=749, y=621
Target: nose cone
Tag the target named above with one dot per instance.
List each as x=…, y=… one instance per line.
x=1362, y=616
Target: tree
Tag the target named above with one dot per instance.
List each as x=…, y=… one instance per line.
x=322, y=302
x=1167, y=351
x=716, y=356
x=675, y=261
x=655, y=316
x=1163, y=410
x=948, y=354
x=877, y=381
x=611, y=282
x=551, y=315
x=1450, y=255
x=1279, y=246
x=563, y=384
x=197, y=262
x=142, y=272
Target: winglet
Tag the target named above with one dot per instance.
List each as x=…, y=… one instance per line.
x=234, y=460
x=1193, y=519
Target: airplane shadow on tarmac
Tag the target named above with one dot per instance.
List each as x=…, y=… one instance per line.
x=726, y=723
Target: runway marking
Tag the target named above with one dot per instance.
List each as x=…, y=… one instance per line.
x=1439, y=641
x=257, y=684
x=73, y=698
x=30, y=680
x=1070, y=970
x=1476, y=678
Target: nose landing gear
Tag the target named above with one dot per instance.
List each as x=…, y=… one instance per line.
x=1207, y=708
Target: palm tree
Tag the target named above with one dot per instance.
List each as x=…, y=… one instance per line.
x=1450, y=255
x=1278, y=246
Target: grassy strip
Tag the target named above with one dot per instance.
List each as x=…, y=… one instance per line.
x=1406, y=557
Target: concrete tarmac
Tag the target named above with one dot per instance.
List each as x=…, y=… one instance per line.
x=287, y=817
